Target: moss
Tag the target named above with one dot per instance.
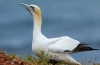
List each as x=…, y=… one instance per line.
x=30, y=60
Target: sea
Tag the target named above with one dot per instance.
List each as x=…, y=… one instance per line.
x=78, y=19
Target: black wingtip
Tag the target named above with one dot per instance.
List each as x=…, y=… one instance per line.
x=83, y=47
x=95, y=49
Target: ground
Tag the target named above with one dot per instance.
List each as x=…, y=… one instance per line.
x=6, y=59
x=13, y=59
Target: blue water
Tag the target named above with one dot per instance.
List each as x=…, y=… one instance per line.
x=79, y=19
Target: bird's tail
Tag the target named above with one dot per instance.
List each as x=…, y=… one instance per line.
x=83, y=47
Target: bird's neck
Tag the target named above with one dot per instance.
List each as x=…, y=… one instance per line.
x=37, y=35
x=37, y=24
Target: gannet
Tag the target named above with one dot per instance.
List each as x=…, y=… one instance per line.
x=54, y=49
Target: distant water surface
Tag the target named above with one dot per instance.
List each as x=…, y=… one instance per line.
x=79, y=19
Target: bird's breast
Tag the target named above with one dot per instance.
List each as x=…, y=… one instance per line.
x=39, y=49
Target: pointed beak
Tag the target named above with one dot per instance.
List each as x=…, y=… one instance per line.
x=26, y=6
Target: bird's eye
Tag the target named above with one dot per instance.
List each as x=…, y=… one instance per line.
x=32, y=7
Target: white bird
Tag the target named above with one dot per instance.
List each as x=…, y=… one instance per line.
x=53, y=49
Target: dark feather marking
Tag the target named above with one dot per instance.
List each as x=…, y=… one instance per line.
x=83, y=47
x=67, y=51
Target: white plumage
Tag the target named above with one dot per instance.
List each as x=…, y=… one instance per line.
x=63, y=43
x=57, y=49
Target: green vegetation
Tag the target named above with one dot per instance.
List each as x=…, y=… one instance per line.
x=14, y=59
x=30, y=60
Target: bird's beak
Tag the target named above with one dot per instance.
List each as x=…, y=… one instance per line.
x=26, y=6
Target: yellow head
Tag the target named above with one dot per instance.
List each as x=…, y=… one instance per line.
x=35, y=12
x=36, y=9
x=33, y=9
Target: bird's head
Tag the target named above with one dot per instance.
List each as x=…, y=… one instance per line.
x=33, y=9
x=36, y=14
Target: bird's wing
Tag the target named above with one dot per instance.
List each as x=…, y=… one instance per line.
x=63, y=44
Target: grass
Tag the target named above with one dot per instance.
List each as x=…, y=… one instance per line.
x=30, y=60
